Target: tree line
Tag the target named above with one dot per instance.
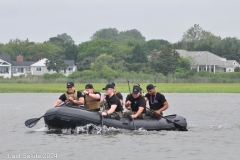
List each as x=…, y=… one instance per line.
x=113, y=54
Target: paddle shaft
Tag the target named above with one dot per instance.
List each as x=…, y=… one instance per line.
x=131, y=106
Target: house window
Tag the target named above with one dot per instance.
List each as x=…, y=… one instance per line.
x=38, y=69
x=14, y=70
x=28, y=69
x=20, y=70
x=3, y=69
x=70, y=69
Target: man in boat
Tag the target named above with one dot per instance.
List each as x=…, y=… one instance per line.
x=113, y=102
x=71, y=97
x=135, y=104
x=91, y=98
x=156, y=100
x=118, y=94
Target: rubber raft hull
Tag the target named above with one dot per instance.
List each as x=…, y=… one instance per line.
x=71, y=117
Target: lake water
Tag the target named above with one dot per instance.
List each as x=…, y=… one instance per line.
x=213, y=124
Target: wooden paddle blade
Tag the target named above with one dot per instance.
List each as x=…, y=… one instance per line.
x=31, y=122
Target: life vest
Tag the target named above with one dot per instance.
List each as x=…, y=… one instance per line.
x=90, y=103
x=73, y=95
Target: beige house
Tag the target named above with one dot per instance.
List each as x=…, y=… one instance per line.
x=204, y=60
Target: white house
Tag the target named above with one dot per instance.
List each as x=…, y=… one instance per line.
x=5, y=66
x=10, y=68
x=204, y=60
x=39, y=68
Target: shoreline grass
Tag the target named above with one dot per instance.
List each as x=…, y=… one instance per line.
x=123, y=87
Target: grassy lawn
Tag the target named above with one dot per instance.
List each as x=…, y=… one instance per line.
x=123, y=87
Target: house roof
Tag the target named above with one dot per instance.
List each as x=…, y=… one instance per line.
x=5, y=57
x=41, y=63
x=69, y=62
x=22, y=63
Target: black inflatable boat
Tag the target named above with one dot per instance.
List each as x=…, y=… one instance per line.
x=70, y=117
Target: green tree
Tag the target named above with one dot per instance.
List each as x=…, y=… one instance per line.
x=197, y=39
x=38, y=51
x=131, y=34
x=1, y=46
x=56, y=63
x=65, y=38
x=106, y=33
x=108, y=73
x=164, y=61
x=71, y=51
x=237, y=69
x=15, y=47
x=230, y=48
x=94, y=48
x=101, y=61
x=138, y=55
x=156, y=44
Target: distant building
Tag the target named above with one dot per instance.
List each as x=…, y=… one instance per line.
x=207, y=61
x=10, y=68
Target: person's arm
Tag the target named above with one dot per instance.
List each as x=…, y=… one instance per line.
x=146, y=99
x=80, y=101
x=140, y=110
x=59, y=101
x=165, y=106
x=127, y=103
x=95, y=96
x=110, y=111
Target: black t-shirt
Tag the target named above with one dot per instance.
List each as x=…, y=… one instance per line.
x=96, y=93
x=114, y=100
x=64, y=98
x=136, y=102
x=119, y=95
x=156, y=101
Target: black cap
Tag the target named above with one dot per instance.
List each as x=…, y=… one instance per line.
x=112, y=83
x=70, y=84
x=89, y=86
x=136, y=90
x=150, y=86
x=108, y=86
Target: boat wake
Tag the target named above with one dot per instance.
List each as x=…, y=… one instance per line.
x=89, y=129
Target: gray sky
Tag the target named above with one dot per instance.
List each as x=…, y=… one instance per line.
x=38, y=20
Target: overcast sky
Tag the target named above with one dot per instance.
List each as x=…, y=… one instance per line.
x=38, y=20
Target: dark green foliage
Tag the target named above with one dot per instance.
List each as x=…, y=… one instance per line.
x=138, y=55
x=156, y=44
x=56, y=63
x=164, y=61
x=237, y=69
x=106, y=33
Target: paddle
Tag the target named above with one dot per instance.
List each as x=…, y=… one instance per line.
x=33, y=121
x=179, y=127
x=102, y=116
x=130, y=106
